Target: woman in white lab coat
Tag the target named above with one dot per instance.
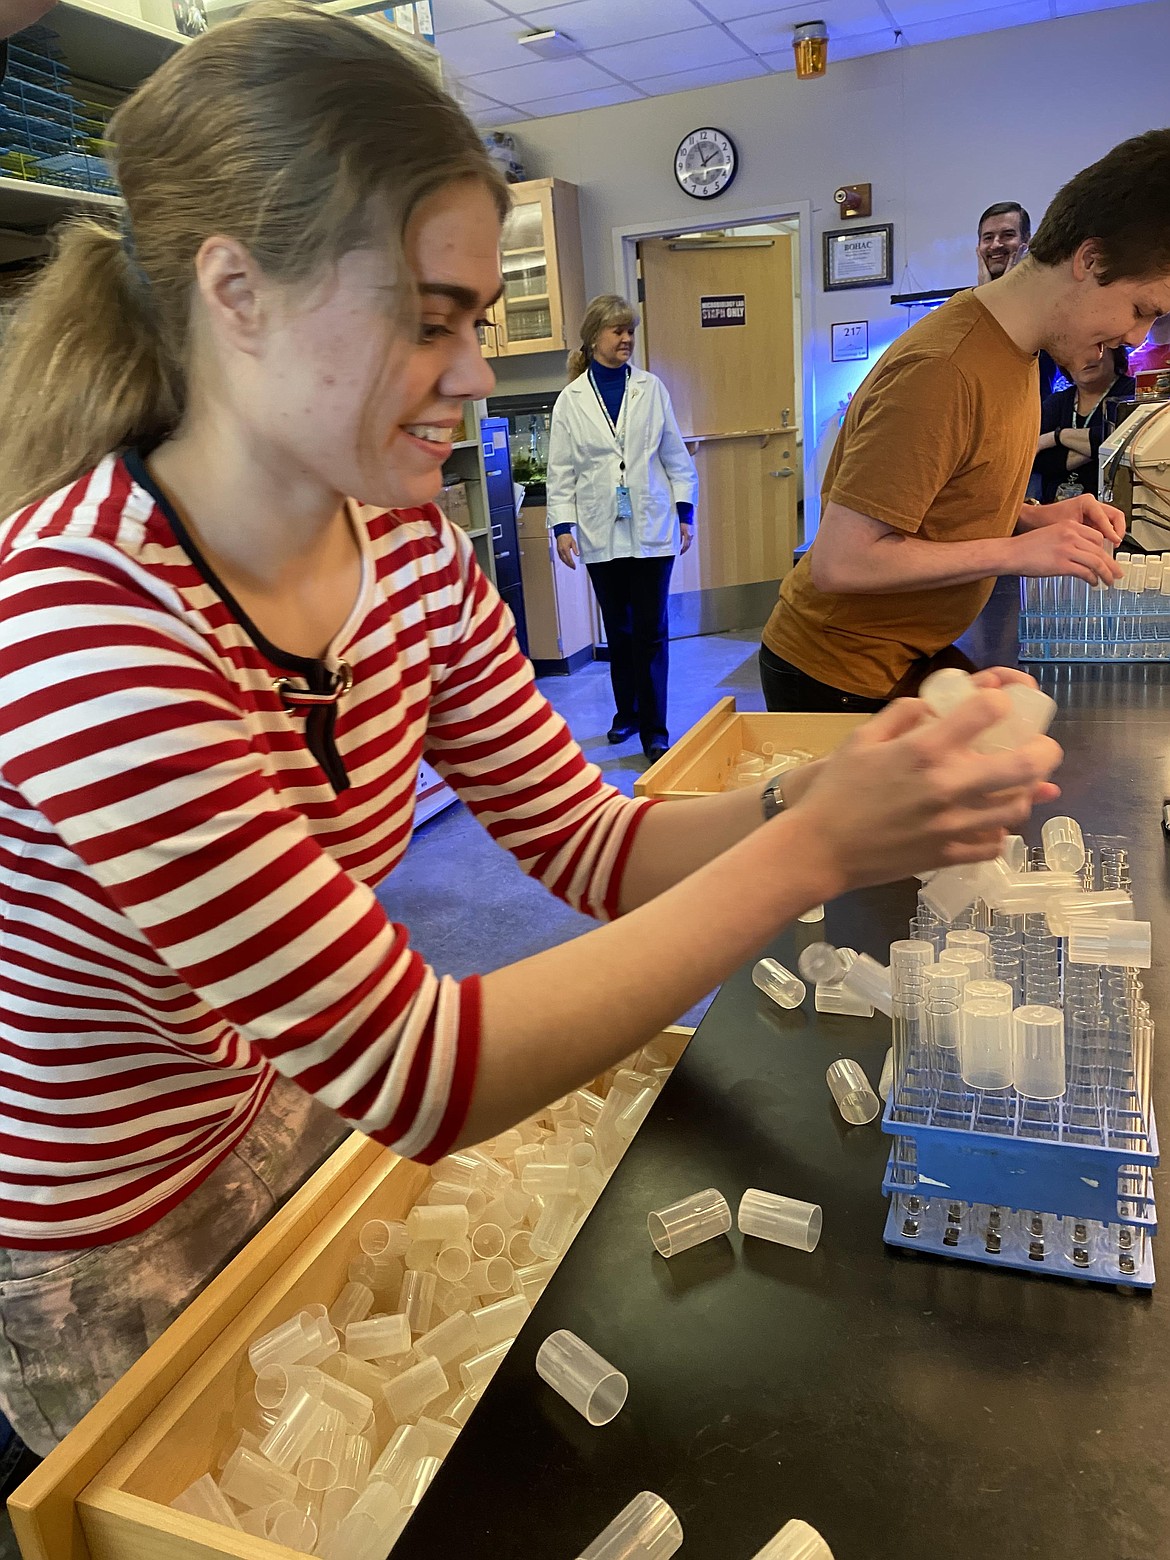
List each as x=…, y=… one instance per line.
x=621, y=497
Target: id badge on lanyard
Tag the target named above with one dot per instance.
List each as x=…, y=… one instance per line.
x=623, y=502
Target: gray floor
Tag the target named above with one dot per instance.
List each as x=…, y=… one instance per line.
x=466, y=903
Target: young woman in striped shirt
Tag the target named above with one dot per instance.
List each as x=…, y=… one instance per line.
x=231, y=624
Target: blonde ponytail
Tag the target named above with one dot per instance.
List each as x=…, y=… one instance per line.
x=606, y=310
x=81, y=371
x=300, y=134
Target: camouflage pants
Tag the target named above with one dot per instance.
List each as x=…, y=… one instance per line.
x=72, y=1322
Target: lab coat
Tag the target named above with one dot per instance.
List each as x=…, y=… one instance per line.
x=584, y=469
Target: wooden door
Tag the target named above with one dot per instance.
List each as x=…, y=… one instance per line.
x=719, y=333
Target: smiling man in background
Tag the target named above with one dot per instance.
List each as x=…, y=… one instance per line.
x=1004, y=231
x=924, y=494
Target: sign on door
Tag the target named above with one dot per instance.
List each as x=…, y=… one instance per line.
x=725, y=309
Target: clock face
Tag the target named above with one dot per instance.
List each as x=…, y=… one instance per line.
x=705, y=163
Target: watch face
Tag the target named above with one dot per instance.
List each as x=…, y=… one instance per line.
x=705, y=163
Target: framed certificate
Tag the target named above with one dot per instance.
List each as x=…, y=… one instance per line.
x=859, y=257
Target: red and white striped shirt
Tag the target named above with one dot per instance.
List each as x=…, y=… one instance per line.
x=187, y=899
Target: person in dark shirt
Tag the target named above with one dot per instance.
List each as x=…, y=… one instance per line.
x=1074, y=423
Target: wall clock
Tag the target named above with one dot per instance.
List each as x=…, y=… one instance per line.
x=705, y=163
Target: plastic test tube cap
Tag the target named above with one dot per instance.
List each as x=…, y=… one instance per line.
x=795, y=1541
x=1038, y=1052
x=822, y=964
x=688, y=1222
x=1031, y=715
x=838, y=997
x=782, y=1220
x=1064, y=845
x=944, y=690
x=578, y=1373
x=1014, y=854
x=1127, y=943
x=871, y=982
x=850, y=1088
x=646, y=1529
x=781, y=985
x=204, y=1498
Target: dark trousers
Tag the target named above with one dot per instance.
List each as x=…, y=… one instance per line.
x=632, y=594
x=786, y=687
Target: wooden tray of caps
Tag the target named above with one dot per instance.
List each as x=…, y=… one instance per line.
x=701, y=763
x=104, y=1493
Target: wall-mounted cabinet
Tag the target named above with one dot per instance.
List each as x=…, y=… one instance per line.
x=544, y=278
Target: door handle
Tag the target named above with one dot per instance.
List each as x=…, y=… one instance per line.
x=785, y=471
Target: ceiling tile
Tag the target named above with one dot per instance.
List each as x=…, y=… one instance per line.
x=988, y=20
x=488, y=46
x=450, y=14
x=844, y=19
x=678, y=51
x=731, y=10
x=599, y=24
x=574, y=102
x=857, y=48
x=705, y=76
x=910, y=13
x=473, y=103
x=492, y=118
x=544, y=79
x=1076, y=7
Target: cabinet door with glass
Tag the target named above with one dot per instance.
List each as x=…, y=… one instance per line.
x=544, y=286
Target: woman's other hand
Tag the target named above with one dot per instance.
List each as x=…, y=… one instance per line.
x=567, y=549
x=907, y=792
x=687, y=532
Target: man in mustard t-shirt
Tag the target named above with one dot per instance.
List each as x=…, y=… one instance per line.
x=924, y=493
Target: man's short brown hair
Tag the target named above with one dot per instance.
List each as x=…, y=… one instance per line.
x=1123, y=202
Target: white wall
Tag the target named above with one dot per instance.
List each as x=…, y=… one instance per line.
x=940, y=130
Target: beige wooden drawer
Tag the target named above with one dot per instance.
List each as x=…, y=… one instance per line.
x=104, y=1493
x=701, y=762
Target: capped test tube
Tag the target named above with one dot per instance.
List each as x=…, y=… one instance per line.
x=785, y=990
x=578, y=1373
x=688, y=1222
x=985, y=1046
x=850, y=1089
x=1064, y=845
x=646, y=1529
x=908, y=958
x=1038, y=1052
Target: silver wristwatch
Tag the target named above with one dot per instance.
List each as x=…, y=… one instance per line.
x=772, y=797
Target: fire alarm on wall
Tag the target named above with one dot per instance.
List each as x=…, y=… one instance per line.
x=854, y=200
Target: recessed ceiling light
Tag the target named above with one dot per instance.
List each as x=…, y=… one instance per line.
x=549, y=43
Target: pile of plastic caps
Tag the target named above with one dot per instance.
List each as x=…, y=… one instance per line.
x=754, y=768
x=355, y=1401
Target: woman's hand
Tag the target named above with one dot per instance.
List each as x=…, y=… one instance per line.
x=567, y=549
x=907, y=792
x=687, y=533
